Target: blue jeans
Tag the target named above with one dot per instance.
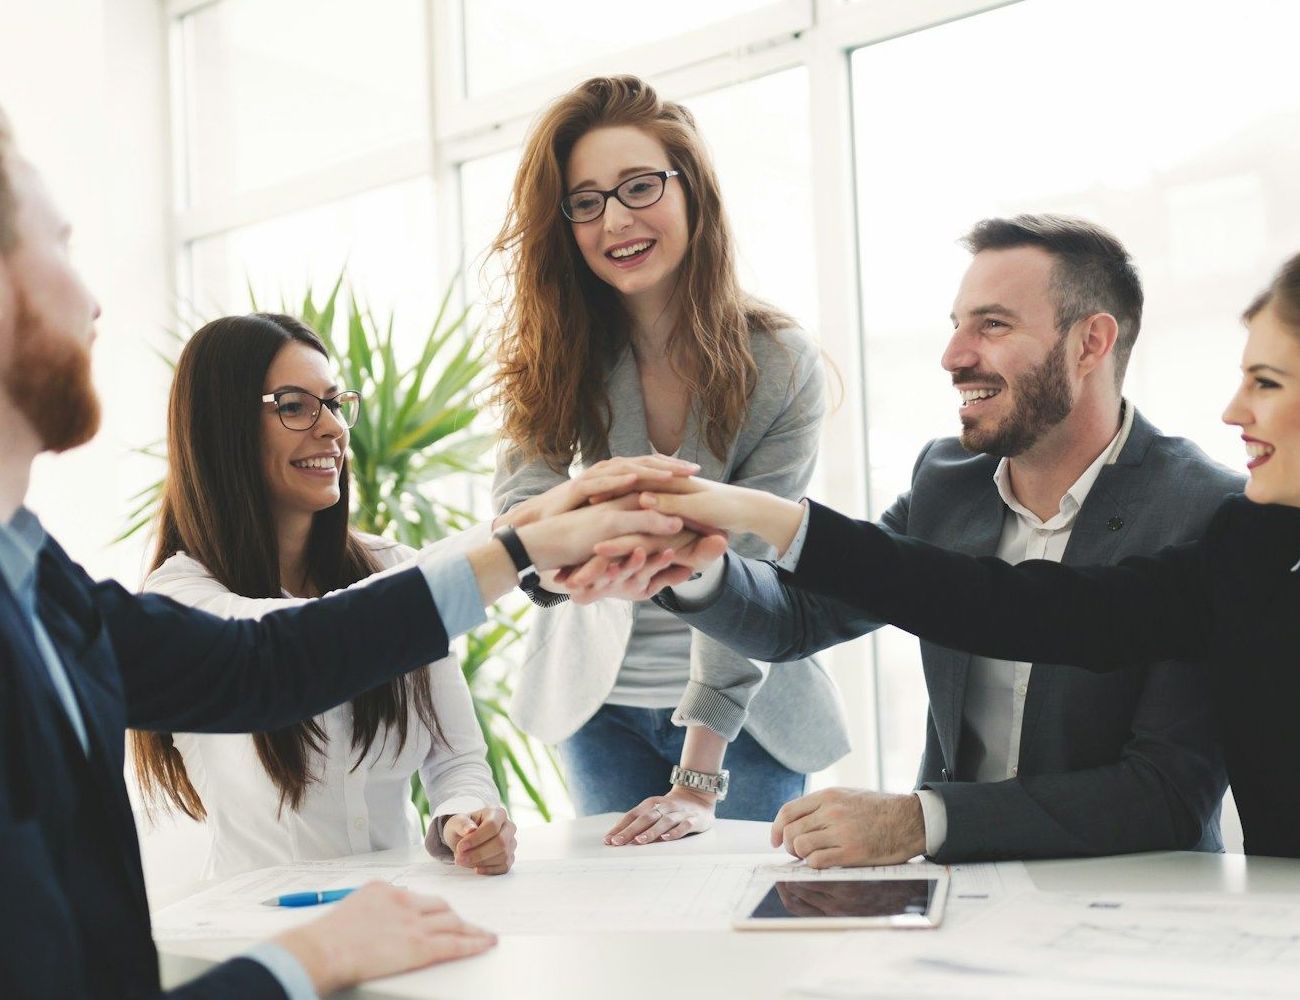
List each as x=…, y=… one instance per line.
x=623, y=755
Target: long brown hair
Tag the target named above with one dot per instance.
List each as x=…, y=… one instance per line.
x=215, y=508
x=563, y=326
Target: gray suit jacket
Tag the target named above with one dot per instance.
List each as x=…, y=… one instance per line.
x=1109, y=763
x=573, y=653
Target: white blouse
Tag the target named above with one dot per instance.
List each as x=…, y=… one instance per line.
x=349, y=810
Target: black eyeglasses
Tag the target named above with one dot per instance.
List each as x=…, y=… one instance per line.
x=640, y=191
x=299, y=409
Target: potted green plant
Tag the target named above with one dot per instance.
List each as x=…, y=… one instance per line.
x=419, y=424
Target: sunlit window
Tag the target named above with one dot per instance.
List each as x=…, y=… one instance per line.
x=1176, y=132
x=385, y=239
x=507, y=42
x=272, y=90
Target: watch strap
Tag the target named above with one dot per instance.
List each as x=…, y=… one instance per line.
x=523, y=563
x=701, y=780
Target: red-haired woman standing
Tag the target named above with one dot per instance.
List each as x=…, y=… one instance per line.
x=626, y=333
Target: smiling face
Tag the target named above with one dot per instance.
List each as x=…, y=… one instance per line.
x=1266, y=407
x=1006, y=357
x=302, y=467
x=636, y=251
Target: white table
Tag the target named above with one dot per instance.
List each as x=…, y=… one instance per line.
x=674, y=965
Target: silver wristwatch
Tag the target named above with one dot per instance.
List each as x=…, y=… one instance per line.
x=701, y=780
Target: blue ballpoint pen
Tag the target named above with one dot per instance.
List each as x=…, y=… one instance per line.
x=307, y=898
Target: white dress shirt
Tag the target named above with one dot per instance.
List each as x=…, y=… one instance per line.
x=994, y=707
x=349, y=809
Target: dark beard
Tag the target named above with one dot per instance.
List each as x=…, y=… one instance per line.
x=49, y=383
x=1043, y=400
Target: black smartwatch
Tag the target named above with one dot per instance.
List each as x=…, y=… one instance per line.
x=524, y=568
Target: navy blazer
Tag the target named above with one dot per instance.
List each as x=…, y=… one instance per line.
x=74, y=920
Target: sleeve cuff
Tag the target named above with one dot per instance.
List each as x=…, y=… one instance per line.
x=455, y=593
x=790, y=560
x=706, y=706
x=433, y=843
x=694, y=595
x=286, y=969
x=935, y=814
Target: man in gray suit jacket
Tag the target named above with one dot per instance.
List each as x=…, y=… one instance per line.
x=1051, y=463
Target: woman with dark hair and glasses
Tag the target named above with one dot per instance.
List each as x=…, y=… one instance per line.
x=626, y=332
x=1228, y=601
x=254, y=517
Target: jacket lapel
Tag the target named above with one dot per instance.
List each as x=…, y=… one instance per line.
x=627, y=429
x=31, y=664
x=628, y=433
x=977, y=522
x=76, y=629
x=1108, y=517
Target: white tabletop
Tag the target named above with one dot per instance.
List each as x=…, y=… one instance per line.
x=671, y=965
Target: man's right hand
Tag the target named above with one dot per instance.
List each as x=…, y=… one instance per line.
x=377, y=931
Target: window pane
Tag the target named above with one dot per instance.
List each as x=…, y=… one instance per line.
x=276, y=89
x=1175, y=130
x=766, y=185
x=384, y=237
x=508, y=42
x=485, y=193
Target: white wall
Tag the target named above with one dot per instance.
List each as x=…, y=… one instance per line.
x=84, y=83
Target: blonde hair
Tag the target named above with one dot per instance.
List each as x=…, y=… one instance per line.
x=563, y=326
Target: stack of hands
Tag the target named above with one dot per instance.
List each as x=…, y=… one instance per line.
x=836, y=826
x=636, y=566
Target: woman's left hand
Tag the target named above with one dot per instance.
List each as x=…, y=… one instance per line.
x=664, y=817
x=483, y=840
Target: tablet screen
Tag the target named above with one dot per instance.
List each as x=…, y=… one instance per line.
x=846, y=898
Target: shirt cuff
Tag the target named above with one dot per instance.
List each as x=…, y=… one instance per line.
x=702, y=591
x=935, y=814
x=457, y=804
x=790, y=560
x=286, y=969
x=455, y=593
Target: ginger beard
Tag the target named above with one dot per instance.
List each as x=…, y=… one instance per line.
x=49, y=382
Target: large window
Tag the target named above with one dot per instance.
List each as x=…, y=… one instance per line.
x=383, y=238
x=508, y=43
x=1176, y=132
x=274, y=90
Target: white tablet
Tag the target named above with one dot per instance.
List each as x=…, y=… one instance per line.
x=841, y=904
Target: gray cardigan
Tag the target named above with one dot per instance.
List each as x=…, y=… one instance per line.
x=573, y=653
